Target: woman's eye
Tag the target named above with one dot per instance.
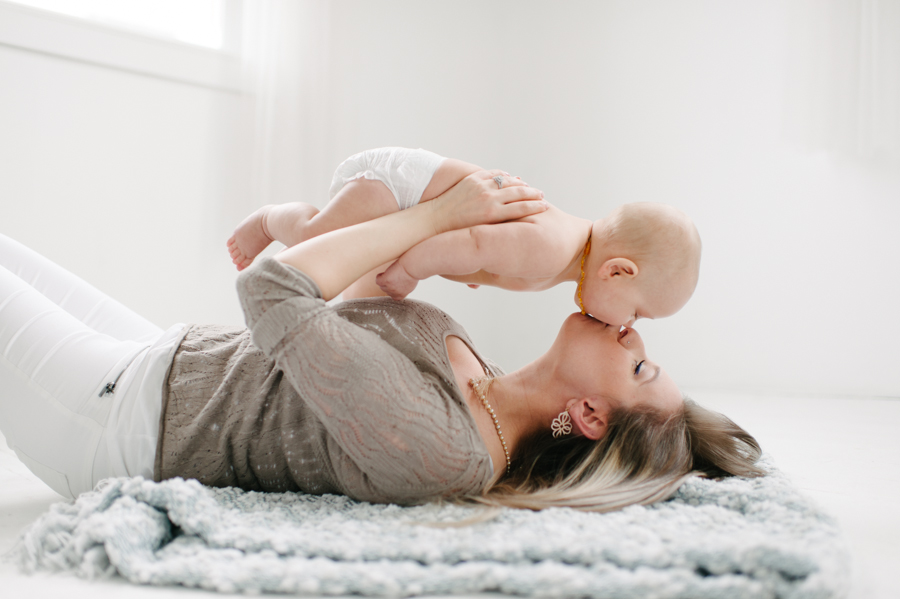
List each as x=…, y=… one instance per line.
x=637, y=369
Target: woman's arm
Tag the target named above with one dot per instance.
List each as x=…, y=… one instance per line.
x=338, y=258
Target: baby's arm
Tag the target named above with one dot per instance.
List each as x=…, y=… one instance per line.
x=512, y=252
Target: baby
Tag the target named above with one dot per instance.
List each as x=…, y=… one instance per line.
x=641, y=261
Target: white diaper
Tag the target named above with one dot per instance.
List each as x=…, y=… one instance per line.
x=404, y=171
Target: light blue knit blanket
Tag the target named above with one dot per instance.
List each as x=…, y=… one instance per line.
x=733, y=539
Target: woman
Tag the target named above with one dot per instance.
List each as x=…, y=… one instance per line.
x=379, y=400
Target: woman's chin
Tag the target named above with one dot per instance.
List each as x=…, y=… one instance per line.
x=589, y=319
x=577, y=323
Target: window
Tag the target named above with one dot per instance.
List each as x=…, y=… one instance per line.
x=199, y=22
x=189, y=41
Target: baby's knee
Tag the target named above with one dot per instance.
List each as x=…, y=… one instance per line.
x=404, y=172
x=450, y=172
x=369, y=198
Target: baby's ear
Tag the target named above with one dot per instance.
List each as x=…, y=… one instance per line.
x=618, y=267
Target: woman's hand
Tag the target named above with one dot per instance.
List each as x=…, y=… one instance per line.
x=479, y=200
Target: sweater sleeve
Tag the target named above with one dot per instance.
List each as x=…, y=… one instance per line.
x=402, y=438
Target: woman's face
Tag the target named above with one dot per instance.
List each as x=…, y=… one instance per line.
x=600, y=360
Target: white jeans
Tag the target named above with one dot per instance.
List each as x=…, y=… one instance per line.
x=80, y=375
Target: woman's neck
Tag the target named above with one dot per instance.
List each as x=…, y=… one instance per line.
x=524, y=402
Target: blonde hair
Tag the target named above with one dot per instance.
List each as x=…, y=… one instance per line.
x=643, y=458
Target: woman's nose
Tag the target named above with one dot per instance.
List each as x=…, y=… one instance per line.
x=629, y=338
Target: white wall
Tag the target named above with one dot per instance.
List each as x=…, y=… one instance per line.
x=600, y=103
x=124, y=179
x=135, y=182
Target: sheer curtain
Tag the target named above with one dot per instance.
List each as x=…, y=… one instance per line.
x=844, y=77
x=285, y=100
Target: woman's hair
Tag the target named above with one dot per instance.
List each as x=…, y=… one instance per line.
x=643, y=458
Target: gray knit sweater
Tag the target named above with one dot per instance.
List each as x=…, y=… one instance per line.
x=357, y=399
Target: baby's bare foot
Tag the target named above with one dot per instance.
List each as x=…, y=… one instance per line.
x=249, y=239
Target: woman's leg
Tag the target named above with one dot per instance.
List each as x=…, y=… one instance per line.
x=74, y=295
x=55, y=370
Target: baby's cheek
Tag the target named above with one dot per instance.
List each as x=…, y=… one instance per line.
x=603, y=313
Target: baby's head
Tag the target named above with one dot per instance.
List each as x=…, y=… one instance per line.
x=644, y=263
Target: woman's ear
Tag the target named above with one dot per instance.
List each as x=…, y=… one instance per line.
x=618, y=267
x=590, y=416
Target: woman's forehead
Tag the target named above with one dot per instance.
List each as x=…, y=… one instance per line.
x=661, y=392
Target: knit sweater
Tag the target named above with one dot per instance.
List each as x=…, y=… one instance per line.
x=357, y=399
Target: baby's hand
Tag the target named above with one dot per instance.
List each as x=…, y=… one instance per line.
x=396, y=282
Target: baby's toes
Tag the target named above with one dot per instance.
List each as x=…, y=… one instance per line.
x=235, y=250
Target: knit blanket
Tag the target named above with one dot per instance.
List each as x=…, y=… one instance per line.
x=735, y=538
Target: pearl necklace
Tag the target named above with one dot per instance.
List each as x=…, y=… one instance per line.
x=481, y=386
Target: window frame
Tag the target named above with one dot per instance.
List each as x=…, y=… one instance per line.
x=82, y=40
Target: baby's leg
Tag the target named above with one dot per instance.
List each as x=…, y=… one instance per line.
x=359, y=200
x=363, y=199
x=285, y=223
x=448, y=174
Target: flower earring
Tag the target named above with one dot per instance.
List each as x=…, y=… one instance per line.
x=562, y=424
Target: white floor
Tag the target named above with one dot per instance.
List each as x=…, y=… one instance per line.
x=842, y=452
